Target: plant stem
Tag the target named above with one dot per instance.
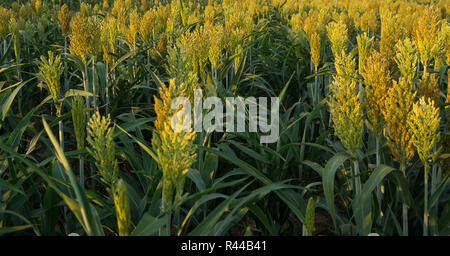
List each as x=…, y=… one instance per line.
x=5, y=48
x=81, y=171
x=94, y=89
x=86, y=89
x=58, y=106
x=418, y=64
x=377, y=144
x=148, y=64
x=302, y=153
x=66, y=81
x=404, y=206
x=19, y=75
x=318, y=91
x=61, y=135
x=107, y=88
x=166, y=208
x=357, y=177
x=425, y=212
x=378, y=162
x=169, y=224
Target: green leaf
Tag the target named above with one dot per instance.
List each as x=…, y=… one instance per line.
x=148, y=225
x=92, y=227
x=255, y=155
x=15, y=136
x=438, y=192
x=195, y=176
x=18, y=228
x=73, y=206
x=238, y=205
x=262, y=216
x=362, y=203
x=140, y=143
x=5, y=184
x=310, y=217
x=328, y=180
x=198, y=203
x=5, y=230
x=7, y=104
x=295, y=203
x=75, y=92
x=205, y=227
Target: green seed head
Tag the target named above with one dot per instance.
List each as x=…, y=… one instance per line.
x=102, y=147
x=122, y=208
x=50, y=73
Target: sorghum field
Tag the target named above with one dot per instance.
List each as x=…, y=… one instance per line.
x=86, y=139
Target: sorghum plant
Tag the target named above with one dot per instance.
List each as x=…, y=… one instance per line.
x=50, y=73
x=102, y=148
x=424, y=123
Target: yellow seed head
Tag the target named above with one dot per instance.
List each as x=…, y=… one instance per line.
x=37, y=6
x=377, y=80
x=64, y=18
x=133, y=27
x=406, y=59
x=85, y=37
x=50, y=73
x=175, y=150
x=369, y=21
x=345, y=66
x=86, y=9
x=120, y=11
x=389, y=34
x=310, y=24
x=346, y=110
x=424, y=123
x=338, y=35
x=345, y=106
x=145, y=5
x=314, y=44
x=209, y=14
x=147, y=26
x=105, y=5
x=399, y=104
x=108, y=38
x=427, y=34
x=215, y=34
x=5, y=16
x=441, y=51
x=364, y=46
x=161, y=46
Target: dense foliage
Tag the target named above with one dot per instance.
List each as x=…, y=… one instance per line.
x=86, y=144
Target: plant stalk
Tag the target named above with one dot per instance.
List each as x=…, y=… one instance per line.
x=378, y=162
x=94, y=89
x=404, y=206
x=61, y=135
x=357, y=177
x=86, y=89
x=81, y=171
x=66, y=81
x=426, y=212
x=107, y=88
